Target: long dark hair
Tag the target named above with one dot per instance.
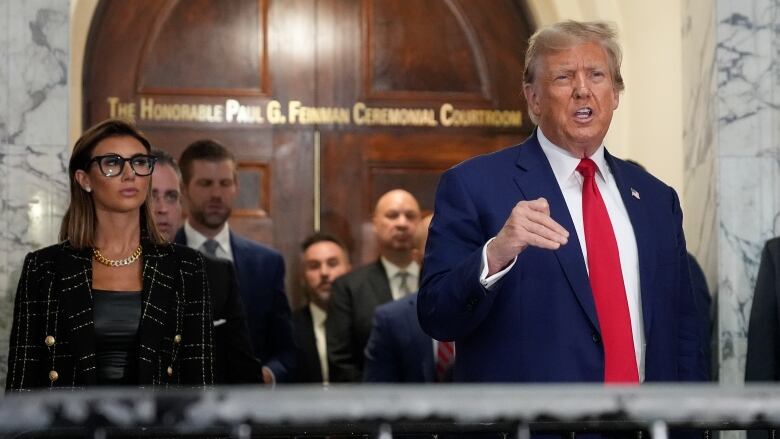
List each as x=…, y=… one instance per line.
x=78, y=224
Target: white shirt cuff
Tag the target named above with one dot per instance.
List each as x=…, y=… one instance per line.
x=488, y=282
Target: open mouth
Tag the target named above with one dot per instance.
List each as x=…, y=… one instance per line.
x=583, y=113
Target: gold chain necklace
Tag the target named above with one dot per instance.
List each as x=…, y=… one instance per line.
x=117, y=262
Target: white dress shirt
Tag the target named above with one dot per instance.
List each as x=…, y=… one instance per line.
x=570, y=181
x=318, y=317
x=395, y=281
x=195, y=240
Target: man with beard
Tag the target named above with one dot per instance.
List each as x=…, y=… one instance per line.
x=324, y=259
x=357, y=294
x=234, y=361
x=210, y=188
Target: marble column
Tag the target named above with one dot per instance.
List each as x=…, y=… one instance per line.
x=747, y=146
x=33, y=137
x=732, y=141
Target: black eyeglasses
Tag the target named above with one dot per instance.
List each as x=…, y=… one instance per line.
x=112, y=165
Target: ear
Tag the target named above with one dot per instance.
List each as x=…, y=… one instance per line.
x=532, y=97
x=617, y=99
x=83, y=179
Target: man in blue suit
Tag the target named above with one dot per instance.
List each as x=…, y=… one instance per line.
x=210, y=187
x=553, y=261
x=398, y=351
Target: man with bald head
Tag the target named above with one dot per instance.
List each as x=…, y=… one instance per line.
x=355, y=295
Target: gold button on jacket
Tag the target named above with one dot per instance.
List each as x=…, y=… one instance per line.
x=49, y=341
x=177, y=339
x=170, y=371
x=53, y=375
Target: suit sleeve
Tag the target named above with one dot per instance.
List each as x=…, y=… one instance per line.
x=690, y=353
x=242, y=366
x=342, y=364
x=281, y=358
x=24, y=354
x=762, y=361
x=381, y=362
x=452, y=302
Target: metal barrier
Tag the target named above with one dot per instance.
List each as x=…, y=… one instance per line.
x=385, y=411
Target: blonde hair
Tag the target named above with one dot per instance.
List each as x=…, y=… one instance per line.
x=567, y=34
x=79, y=223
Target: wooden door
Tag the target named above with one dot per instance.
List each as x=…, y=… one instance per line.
x=326, y=103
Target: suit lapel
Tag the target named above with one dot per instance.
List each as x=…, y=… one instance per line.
x=643, y=232
x=75, y=268
x=380, y=284
x=158, y=309
x=536, y=179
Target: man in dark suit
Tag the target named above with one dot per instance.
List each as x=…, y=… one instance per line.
x=357, y=294
x=553, y=261
x=210, y=187
x=763, y=355
x=398, y=351
x=324, y=258
x=234, y=361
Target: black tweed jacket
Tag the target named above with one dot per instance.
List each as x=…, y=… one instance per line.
x=52, y=341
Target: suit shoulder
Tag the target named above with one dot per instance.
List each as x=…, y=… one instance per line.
x=253, y=247
x=636, y=173
x=397, y=308
x=51, y=252
x=362, y=274
x=478, y=164
x=772, y=246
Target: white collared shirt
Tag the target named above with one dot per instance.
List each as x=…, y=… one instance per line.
x=570, y=181
x=195, y=240
x=395, y=281
x=318, y=317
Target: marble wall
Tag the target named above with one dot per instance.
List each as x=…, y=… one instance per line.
x=33, y=137
x=747, y=149
x=732, y=142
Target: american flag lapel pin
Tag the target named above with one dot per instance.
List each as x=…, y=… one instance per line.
x=635, y=193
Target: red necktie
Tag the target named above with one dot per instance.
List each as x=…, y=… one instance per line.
x=606, y=281
x=445, y=356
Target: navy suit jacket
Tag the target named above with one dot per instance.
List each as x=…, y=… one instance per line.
x=260, y=272
x=539, y=323
x=398, y=351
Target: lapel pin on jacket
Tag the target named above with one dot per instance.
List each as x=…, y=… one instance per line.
x=635, y=193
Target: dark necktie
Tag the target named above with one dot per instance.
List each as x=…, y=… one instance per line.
x=210, y=247
x=403, y=286
x=445, y=357
x=606, y=281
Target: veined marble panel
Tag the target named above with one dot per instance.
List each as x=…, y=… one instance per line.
x=698, y=53
x=747, y=105
x=3, y=71
x=33, y=201
x=37, y=72
x=748, y=154
x=748, y=217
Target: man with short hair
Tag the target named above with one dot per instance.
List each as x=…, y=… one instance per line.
x=357, y=294
x=324, y=258
x=210, y=188
x=234, y=361
x=554, y=261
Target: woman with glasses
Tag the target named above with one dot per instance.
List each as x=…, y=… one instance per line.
x=113, y=303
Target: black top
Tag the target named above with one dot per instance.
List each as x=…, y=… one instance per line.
x=117, y=315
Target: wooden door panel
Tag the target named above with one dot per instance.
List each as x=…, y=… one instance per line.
x=152, y=55
x=359, y=168
x=174, y=62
